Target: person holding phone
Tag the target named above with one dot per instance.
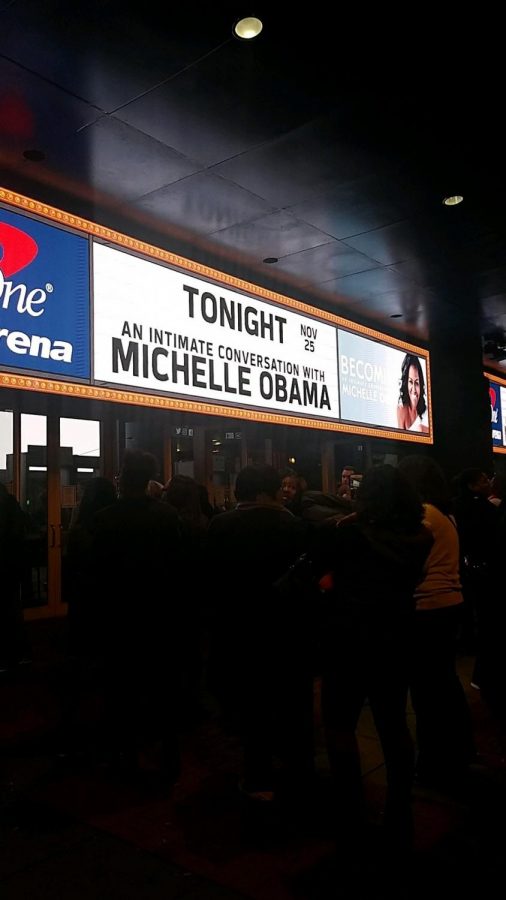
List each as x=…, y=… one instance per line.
x=344, y=489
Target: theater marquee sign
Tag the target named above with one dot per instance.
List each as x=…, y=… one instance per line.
x=165, y=330
x=168, y=332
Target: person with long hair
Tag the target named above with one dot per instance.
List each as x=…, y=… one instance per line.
x=443, y=721
x=376, y=557
x=412, y=405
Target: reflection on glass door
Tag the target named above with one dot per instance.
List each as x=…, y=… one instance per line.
x=224, y=452
x=79, y=462
x=51, y=461
x=7, y=449
x=34, y=502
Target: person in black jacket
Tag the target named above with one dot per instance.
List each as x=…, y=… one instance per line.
x=135, y=558
x=259, y=651
x=478, y=524
x=84, y=605
x=12, y=544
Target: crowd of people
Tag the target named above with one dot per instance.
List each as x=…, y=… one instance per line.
x=368, y=591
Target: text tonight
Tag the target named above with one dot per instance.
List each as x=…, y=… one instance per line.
x=231, y=314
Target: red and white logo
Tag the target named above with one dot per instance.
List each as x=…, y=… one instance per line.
x=22, y=305
x=18, y=249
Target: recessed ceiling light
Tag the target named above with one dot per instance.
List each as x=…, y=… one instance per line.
x=34, y=155
x=248, y=28
x=271, y=259
x=396, y=316
x=454, y=200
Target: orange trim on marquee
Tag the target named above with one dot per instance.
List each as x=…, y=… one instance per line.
x=156, y=401
x=495, y=378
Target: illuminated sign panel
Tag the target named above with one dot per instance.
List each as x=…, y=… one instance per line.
x=159, y=329
x=382, y=385
x=170, y=333
x=44, y=297
x=497, y=394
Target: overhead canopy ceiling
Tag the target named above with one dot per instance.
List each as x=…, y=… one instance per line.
x=326, y=144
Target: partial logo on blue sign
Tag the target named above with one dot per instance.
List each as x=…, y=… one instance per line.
x=44, y=297
x=494, y=391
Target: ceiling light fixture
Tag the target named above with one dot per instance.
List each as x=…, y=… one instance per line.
x=248, y=28
x=454, y=200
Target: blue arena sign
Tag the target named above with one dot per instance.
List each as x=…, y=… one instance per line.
x=44, y=297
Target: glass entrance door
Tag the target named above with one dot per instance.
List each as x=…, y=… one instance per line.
x=34, y=500
x=47, y=461
x=7, y=449
x=80, y=460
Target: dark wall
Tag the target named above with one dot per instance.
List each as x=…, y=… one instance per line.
x=460, y=399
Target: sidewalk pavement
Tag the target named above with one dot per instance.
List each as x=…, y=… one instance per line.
x=75, y=830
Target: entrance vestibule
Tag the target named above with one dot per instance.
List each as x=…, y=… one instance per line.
x=51, y=447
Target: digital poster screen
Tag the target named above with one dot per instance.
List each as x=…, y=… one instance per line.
x=497, y=395
x=382, y=385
